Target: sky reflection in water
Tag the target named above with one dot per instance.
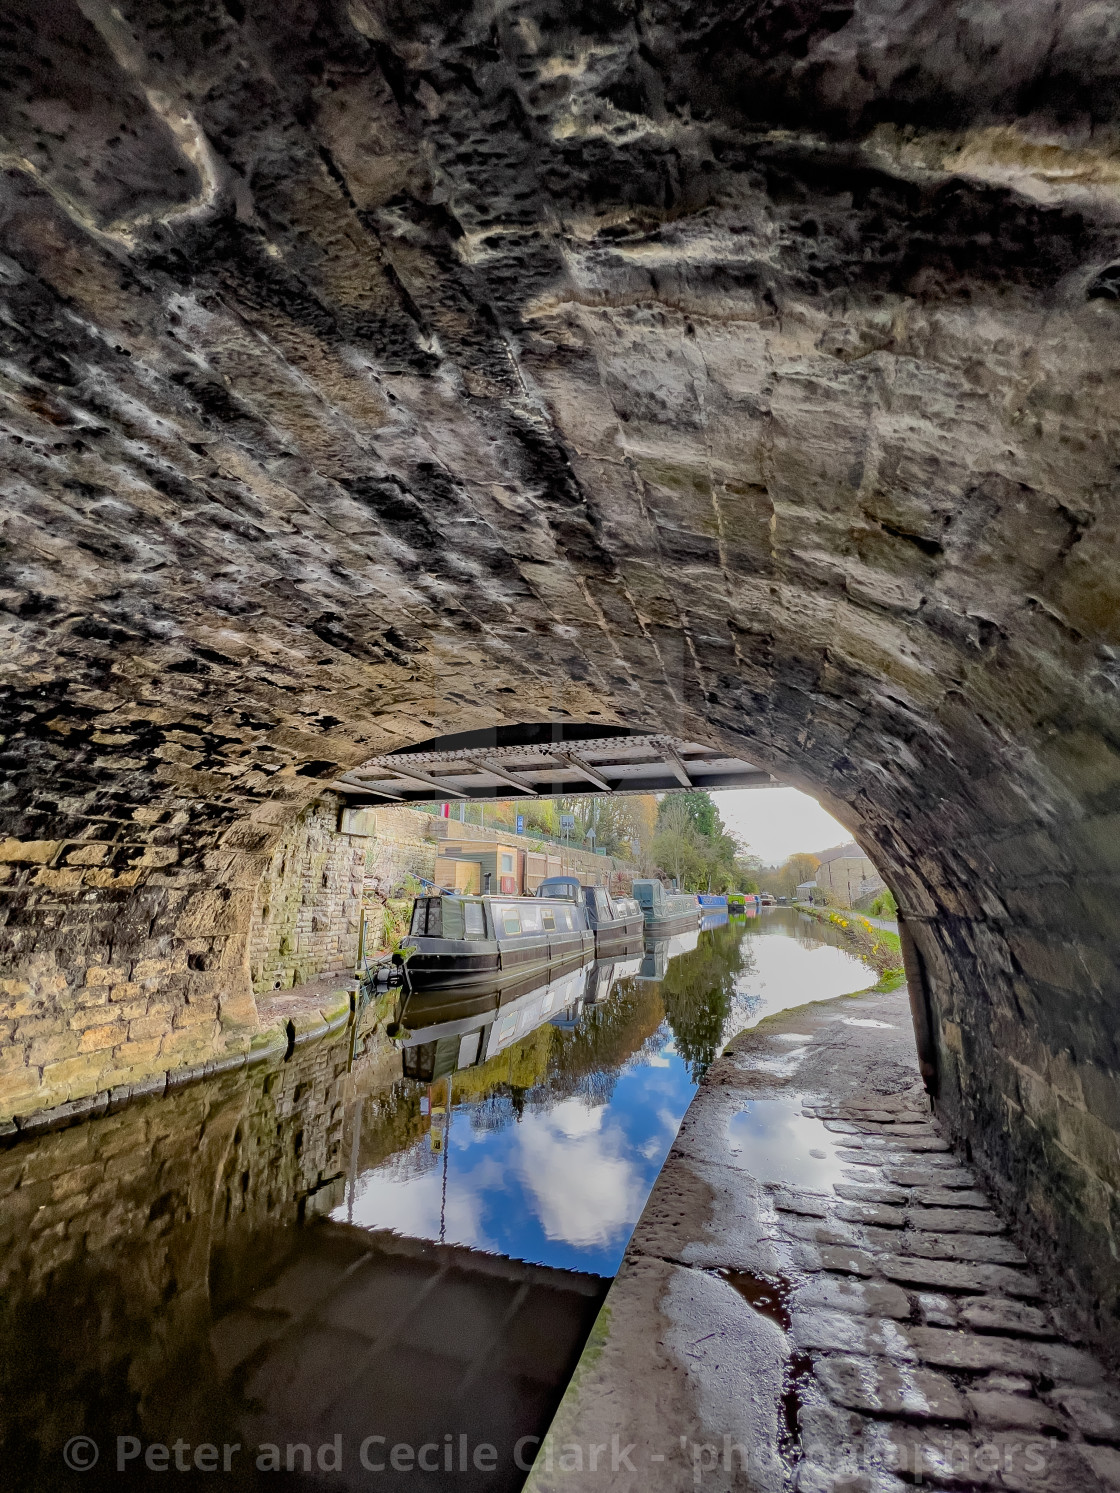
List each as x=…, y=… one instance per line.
x=557, y=1173
x=560, y=1186
x=780, y=1144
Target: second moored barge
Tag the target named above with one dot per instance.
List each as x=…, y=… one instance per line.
x=665, y=912
x=616, y=922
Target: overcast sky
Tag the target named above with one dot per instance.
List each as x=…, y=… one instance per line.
x=777, y=822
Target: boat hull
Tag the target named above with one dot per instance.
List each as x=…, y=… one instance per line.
x=619, y=937
x=494, y=964
x=677, y=923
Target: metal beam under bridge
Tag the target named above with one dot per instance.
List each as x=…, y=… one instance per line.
x=546, y=759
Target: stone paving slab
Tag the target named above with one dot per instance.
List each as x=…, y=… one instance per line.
x=860, y=1324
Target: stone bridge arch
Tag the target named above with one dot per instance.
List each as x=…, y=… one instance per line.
x=372, y=372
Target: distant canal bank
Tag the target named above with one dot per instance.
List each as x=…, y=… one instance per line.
x=309, y=1254
x=875, y=940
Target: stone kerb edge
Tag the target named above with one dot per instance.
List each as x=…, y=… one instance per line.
x=277, y=1041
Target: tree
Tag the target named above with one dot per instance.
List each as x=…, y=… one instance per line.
x=692, y=844
x=695, y=805
x=783, y=880
x=623, y=825
x=801, y=867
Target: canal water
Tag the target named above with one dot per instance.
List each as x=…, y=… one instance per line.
x=327, y=1274
x=548, y=1152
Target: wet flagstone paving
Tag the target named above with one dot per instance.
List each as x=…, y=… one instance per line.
x=885, y=1331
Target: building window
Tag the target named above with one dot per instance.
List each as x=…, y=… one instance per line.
x=507, y=862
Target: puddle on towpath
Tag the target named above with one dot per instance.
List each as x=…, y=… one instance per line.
x=777, y=1143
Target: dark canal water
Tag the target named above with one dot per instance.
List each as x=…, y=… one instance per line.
x=326, y=1278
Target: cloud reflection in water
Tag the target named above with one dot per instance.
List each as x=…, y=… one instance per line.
x=561, y=1185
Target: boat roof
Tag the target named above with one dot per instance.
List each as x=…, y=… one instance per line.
x=492, y=897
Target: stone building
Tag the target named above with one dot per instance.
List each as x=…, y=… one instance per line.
x=846, y=876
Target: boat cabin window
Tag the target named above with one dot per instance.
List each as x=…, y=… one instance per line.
x=427, y=918
x=509, y=920
x=474, y=920
x=530, y=919
x=548, y=920
x=451, y=913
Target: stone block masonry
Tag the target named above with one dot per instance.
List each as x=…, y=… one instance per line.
x=758, y=384
x=122, y=1238
x=308, y=906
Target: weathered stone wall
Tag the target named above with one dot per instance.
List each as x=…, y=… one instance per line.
x=121, y=1239
x=749, y=376
x=308, y=907
x=305, y=920
x=402, y=844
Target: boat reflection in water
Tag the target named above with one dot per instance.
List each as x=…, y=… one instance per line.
x=448, y=1030
x=658, y=951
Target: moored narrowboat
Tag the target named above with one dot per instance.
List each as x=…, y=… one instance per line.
x=617, y=922
x=713, y=910
x=486, y=943
x=665, y=912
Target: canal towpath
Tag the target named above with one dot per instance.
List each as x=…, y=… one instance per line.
x=819, y=1295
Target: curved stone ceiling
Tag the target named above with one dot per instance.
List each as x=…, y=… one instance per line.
x=741, y=372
